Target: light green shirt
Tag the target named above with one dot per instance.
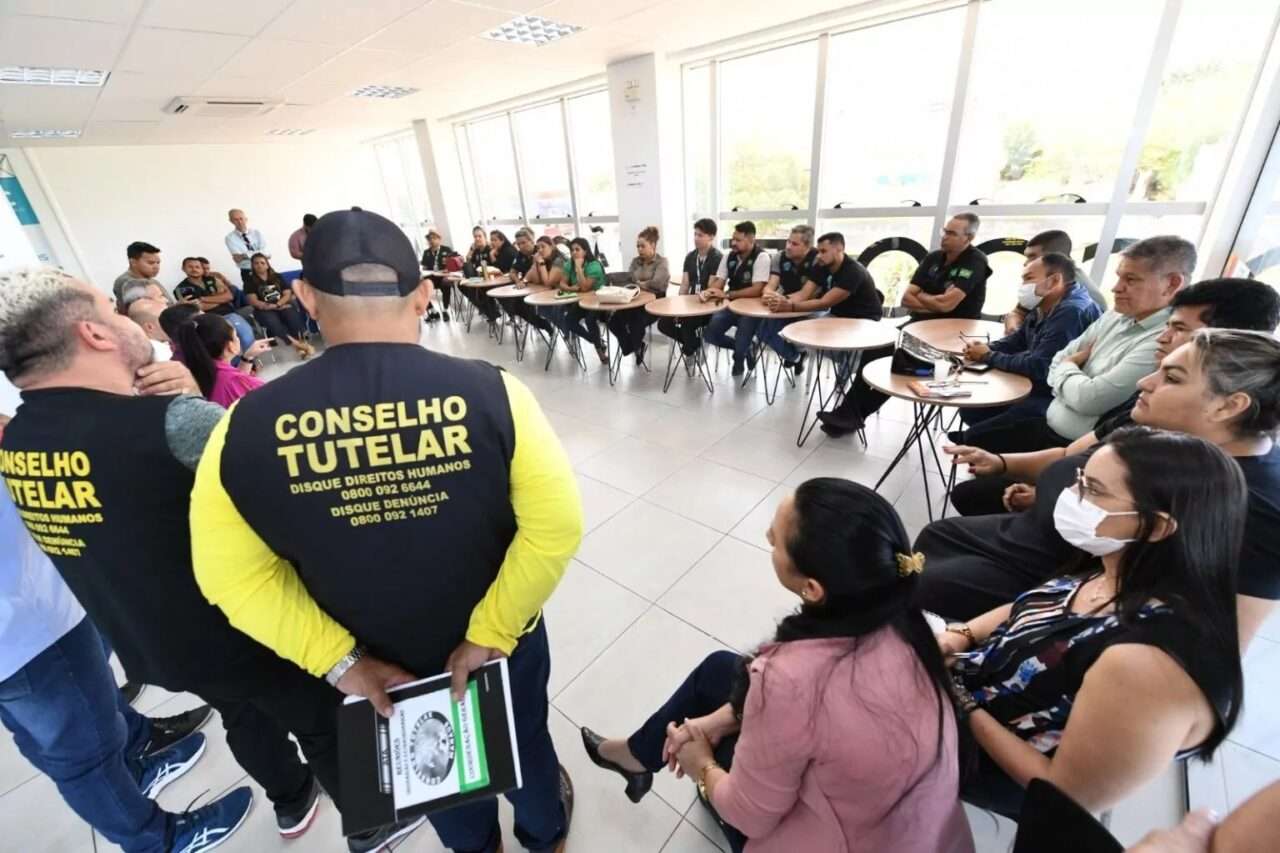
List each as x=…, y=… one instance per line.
x=1123, y=352
x=591, y=269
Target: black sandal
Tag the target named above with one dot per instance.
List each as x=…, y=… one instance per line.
x=638, y=784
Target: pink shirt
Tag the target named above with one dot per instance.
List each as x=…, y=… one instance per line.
x=832, y=736
x=229, y=384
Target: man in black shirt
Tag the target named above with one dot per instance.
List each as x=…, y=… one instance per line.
x=213, y=297
x=103, y=479
x=526, y=256
x=700, y=266
x=790, y=280
x=743, y=274
x=950, y=282
x=836, y=283
x=434, y=258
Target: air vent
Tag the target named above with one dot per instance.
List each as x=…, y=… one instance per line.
x=220, y=107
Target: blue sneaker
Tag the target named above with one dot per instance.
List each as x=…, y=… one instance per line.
x=208, y=826
x=163, y=768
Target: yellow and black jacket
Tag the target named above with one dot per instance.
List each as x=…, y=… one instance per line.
x=388, y=494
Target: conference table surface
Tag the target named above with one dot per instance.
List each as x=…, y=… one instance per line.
x=549, y=297
x=512, y=291
x=591, y=302
x=684, y=306
x=840, y=334
x=753, y=306
x=945, y=333
x=992, y=388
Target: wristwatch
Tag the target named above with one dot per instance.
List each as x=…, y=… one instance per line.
x=339, y=669
x=702, y=777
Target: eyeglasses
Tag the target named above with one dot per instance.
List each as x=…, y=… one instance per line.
x=1083, y=488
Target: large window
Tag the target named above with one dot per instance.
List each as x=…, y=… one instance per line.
x=1112, y=121
x=885, y=137
x=548, y=166
x=766, y=130
x=405, y=185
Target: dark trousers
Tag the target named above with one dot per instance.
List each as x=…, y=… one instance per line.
x=71, y=722
x=445, y=288
x=486, y=305
x=285, y=323
x=539, y=813
x=981, y=495
x=523, y=310
x=685, y=331
x=1012, y=432
x=270, y=700
x=862, y=401
x=576, y=320
x=963, y=582
x=703, y=691
x=629, y=328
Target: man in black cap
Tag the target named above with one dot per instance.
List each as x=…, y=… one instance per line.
x=387, y=512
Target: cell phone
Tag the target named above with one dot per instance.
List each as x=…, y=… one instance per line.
x=977, y=366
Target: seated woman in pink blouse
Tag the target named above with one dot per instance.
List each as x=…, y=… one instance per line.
x=837, y=736
x=208, y=344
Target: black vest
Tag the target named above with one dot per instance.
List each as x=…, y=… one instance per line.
x=96, y=484
x=381, y=471
x=791, y=274
x=740, y=271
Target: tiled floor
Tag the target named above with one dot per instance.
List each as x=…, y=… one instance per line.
x=678, y=489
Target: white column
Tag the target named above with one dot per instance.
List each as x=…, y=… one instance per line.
x=442, y=170
x=644, y=108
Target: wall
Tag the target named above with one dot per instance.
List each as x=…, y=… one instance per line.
x=644, y=109
x=177, y=196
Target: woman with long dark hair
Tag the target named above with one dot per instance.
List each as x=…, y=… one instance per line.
x=649, y=272
x=838, y=734
x=1098, y=679
x=273, y=305
x=582, y=273
x=209, y=344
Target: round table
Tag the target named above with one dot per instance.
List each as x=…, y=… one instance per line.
x=993, y=388
x=479, y=285
x=685, y=307
x=845, y=338
x=519, y=330
x=591, y=302
x=754, y=307
x=550, y=298
x=945, y=333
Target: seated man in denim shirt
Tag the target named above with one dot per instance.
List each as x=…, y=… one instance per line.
x=1063, y=312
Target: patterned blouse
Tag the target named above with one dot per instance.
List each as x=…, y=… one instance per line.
x=1030, y=669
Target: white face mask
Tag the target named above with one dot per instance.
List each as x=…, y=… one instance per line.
x=1027, y=297
x=1077, y=521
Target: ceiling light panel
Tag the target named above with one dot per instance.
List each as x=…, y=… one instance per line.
x=385, y=91
x=531, y=29
x=34, y=76
x=45, y=134
x=290, y=131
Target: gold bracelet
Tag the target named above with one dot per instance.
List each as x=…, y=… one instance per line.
x=963, y=629
x=702, y=777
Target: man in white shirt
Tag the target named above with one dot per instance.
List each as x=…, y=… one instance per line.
x=244, y=242
x=743, y=274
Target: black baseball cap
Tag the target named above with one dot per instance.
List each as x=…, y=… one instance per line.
x=345, y=238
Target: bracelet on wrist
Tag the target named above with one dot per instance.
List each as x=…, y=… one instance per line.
x=339, y=669
x=963, y=629
x=1004, y=463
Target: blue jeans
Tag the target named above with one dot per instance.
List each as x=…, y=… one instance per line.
x=770, y=334
x=71, y=722
x=740, y=343
x=539, y=814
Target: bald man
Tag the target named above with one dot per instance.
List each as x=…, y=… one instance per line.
x=242, y=242
x=146, y=313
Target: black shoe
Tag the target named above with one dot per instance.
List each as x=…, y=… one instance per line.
x=638, y=784
x=566, y=800
x=797, y=366
x=832, y=431
x=738, y=369
x=956, y=437
x=847, y=423
x=299, y=820
x=378, y=839
x=446, y=316
x=132, y=690
x=433, y=316
x=166, y=731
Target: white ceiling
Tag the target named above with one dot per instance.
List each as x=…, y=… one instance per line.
x=312, y=53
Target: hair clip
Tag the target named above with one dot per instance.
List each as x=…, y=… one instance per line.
x=910, y=564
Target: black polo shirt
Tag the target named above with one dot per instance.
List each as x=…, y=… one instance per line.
x=522, y=264
x=968, y=272
x=793, y=274
x=863, y=302
x=700, y=272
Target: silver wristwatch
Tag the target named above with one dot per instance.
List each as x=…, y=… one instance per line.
x=350, y=659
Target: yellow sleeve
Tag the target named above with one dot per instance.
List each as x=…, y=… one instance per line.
x=259, y=591
x=544, y=495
